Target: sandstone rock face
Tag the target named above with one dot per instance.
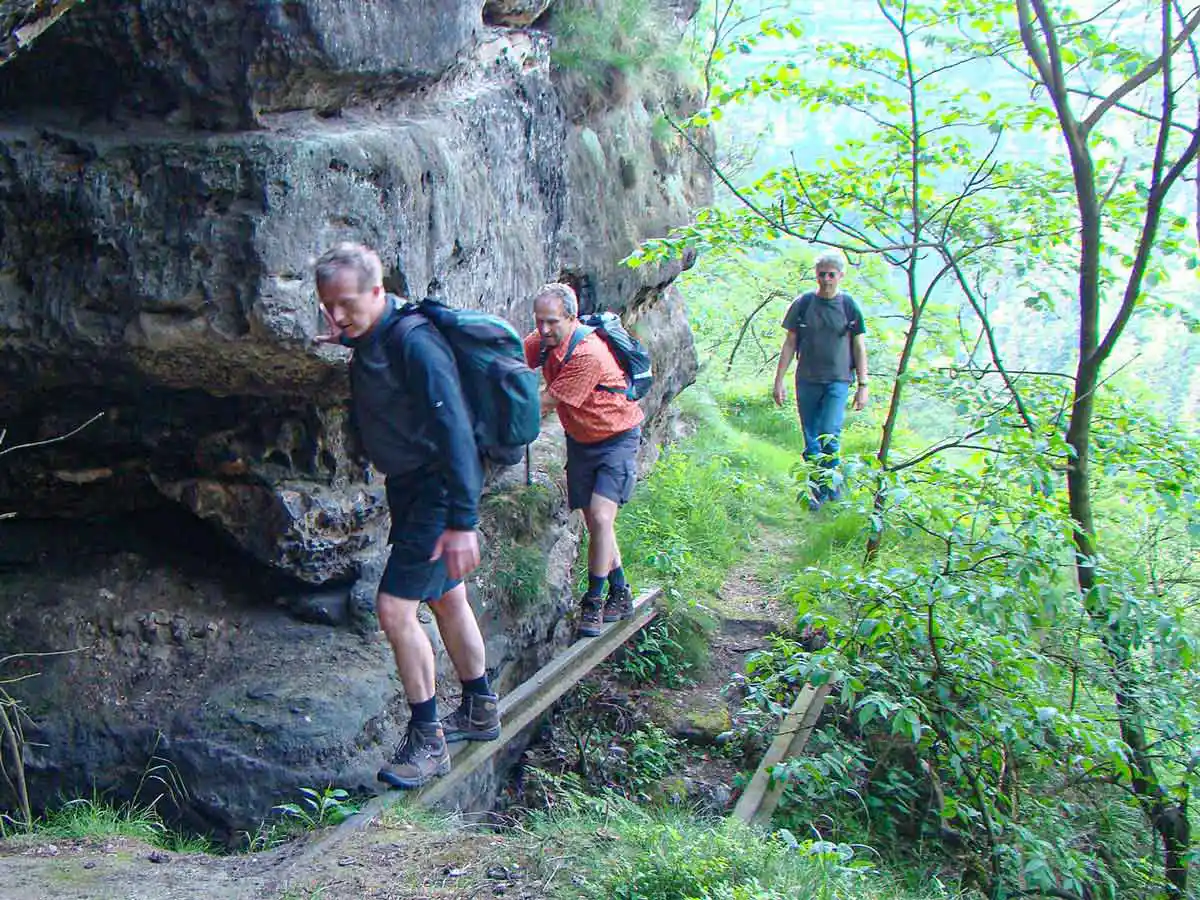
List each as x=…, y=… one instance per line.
x=200, y=545
x=221, y=64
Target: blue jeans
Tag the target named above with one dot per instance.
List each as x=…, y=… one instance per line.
x=822, y=408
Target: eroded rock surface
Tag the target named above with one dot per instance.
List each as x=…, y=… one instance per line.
x=206, y=546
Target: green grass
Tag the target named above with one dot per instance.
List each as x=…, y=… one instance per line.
x=520, y=575
x=616, y=48
x=94, y=818
x=618, y=850
x=696, y=516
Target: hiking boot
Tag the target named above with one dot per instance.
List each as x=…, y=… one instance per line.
x=590, y=616
x=619, y=604
x=422, y=755
x=476, y=719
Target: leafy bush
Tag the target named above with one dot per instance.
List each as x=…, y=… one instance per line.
x=970, y=702
x=520, y=575
x=613, y=48
x=594, y=743
x=319, y=809
x=666, y=651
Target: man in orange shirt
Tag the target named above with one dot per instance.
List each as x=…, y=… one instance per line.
x=586, y=385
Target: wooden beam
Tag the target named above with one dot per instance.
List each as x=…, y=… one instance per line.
x=761, y=796
x=518, y=710
x=24, y=35
x=538, y=694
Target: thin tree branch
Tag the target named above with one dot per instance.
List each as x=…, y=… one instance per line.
x=986, y=324
x=771, y=296
x=53, y=440
x=1124, y=107
x=1136, y=81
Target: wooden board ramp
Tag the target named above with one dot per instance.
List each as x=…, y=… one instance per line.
x=518, y=710
x=761, y=796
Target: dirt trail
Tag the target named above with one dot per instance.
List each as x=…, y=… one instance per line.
x=390, y=860
x=747, y=609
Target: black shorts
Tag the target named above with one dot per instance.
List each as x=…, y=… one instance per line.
x=419, y=507
x=607, y=468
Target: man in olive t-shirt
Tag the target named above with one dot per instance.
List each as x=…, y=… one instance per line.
x=826, y=335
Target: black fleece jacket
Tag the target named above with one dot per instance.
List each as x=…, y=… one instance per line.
x=408, y=407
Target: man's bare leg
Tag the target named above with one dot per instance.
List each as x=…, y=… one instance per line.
x=603, y=552
x=478, y=716
x=460, y=632
x=603, y=555
x=423, y=754
x=410, y=646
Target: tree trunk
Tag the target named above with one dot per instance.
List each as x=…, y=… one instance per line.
x=885, y=436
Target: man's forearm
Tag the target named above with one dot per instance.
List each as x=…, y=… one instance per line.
x=786, y=352
x=860, y=360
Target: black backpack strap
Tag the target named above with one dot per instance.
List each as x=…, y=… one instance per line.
x=848, y=312
x=410, y=319
x=577, y=336
x=803, y=302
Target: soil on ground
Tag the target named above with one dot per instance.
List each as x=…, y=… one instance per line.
x=399, y=856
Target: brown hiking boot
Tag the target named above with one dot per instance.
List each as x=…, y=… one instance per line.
x=422, y=755
x=590, y=616
x=619, y=604
x=476, y=719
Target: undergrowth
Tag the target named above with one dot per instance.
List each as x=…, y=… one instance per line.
x=609, y=51
x=627, y=851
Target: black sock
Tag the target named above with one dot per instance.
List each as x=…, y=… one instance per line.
x=477, y=685
x=596, y=584
x=424, y=712
x=616, y=579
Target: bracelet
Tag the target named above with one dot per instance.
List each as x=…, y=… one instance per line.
x=862, y=384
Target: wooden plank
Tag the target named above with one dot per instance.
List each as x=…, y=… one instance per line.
x=794, y=732
x=539, y=693
x=766, y=807
x=518, y=709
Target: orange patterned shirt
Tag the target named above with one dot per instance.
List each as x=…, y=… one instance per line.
x=588, y=415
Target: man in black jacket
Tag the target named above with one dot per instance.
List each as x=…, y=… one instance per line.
x=415, y=426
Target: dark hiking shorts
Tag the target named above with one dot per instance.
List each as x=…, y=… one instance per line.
x=419, y=507
x=607, y=468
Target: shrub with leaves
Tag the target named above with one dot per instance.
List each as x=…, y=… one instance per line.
x=973, y=690
x=614, y=49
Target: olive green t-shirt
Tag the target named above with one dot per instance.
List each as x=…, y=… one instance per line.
x=824, y=332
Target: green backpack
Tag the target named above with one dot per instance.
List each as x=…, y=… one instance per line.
x=500, y=390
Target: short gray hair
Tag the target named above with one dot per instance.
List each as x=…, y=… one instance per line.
x=833, y=259
x=563, y=292
x=358, y=258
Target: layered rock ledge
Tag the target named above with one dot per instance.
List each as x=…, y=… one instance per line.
x=168, y=170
